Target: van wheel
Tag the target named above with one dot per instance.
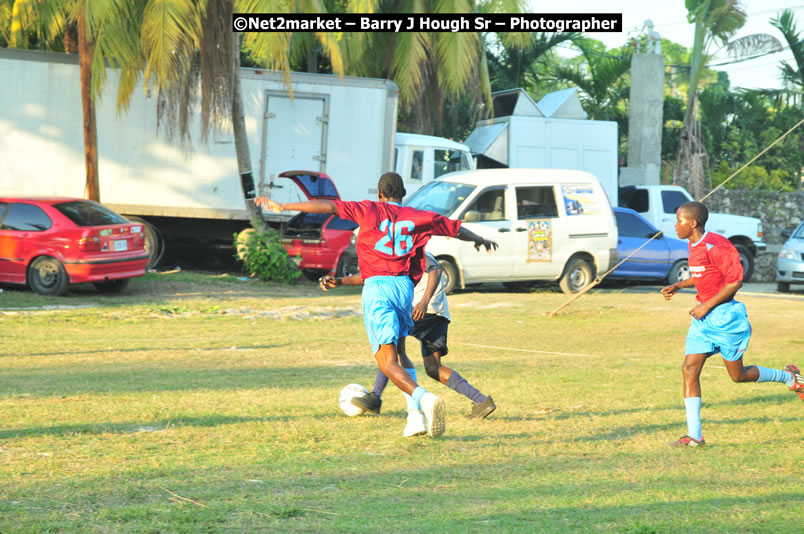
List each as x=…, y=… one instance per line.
x=451, y=272
x=747, y=261
x=47, y=276
x=678, y=272
x=577, y=276
x=112, y=286
x=783, y=287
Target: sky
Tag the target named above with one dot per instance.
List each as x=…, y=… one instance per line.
x=670, y=20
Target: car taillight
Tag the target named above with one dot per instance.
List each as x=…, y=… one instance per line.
x=89, y=244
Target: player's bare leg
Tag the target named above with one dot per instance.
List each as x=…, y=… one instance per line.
x=739, y=373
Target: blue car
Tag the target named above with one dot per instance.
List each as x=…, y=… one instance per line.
x=663, y=259
x=790, y=262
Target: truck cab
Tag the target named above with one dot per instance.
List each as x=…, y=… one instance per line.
x=658, y=204
x=419, y=159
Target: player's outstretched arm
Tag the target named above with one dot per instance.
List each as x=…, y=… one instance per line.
x=464, y=234
x=309, y=206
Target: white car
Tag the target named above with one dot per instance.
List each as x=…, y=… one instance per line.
x=790, y=262
x=550, y=224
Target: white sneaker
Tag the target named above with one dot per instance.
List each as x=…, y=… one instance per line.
x=434, y=410
x=416, y=425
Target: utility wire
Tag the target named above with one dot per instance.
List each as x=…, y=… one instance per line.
x=599, y=279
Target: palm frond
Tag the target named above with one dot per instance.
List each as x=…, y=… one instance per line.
x=456, y=59
x=409, y=56
x=170, y=35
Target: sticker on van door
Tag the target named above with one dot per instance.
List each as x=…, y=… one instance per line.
x=580, y=200
x=540, y=240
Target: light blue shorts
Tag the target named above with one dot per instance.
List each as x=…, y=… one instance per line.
x=725, y=329
x=387, y=308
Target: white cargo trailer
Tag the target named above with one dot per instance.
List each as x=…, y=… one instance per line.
x=342, y=126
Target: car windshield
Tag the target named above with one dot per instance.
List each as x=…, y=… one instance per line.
x=799, y=233
x=441, y=197
x=89, y=213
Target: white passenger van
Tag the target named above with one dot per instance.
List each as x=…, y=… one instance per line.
x=550, y=224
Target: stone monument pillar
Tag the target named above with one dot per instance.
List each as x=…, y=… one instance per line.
x=645, y=113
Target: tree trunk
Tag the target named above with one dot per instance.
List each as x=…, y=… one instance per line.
x=241, y=140
x=85, y=53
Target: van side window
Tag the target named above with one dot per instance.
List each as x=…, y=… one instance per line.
x=671, y=200
x=445, y=161
x=488, y=206
x=416, y=165
x=536, y=202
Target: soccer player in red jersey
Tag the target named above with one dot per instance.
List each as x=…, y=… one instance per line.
x=719, y=323
x=390, y=257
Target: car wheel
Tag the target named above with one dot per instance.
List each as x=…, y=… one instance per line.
x=47, y=276
x=577, y=276
x=450, y=271
x=747, y=261
x=347, y=265
x=678, y=272
x=783, y=287
x=112, y=286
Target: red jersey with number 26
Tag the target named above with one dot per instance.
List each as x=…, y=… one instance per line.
x=714, y=262
x=390, y=236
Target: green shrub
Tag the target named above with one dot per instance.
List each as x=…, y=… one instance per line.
x=263, y=255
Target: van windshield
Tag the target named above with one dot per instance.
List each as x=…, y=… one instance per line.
x=440, y=197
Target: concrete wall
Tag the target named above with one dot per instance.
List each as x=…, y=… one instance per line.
x=777, y=211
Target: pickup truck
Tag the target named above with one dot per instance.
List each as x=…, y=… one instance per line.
x=658, y=204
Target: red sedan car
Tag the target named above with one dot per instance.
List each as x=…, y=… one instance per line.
x=319, y=240
x=50, y=243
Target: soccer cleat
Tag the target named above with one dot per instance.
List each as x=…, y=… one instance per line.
x=481, y=410
x=687, y=441
x=371, y=403
x=417, y=426
x=798, y=382
x=434, y=410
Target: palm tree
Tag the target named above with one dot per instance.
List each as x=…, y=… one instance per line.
x=430, y=68
x=186, y=41
x=604, y=82
x=786, y=24
x=715, y=20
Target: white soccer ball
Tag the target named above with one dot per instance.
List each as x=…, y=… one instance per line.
x=347, y=394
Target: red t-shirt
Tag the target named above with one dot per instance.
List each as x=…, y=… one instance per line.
x=392, y=237
x=714, y=262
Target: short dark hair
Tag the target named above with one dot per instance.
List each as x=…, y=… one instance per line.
x=391, y=186
x=697, y=211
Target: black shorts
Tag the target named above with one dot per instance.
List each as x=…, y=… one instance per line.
x=431, y=331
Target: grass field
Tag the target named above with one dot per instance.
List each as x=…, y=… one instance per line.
x=199, y=404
